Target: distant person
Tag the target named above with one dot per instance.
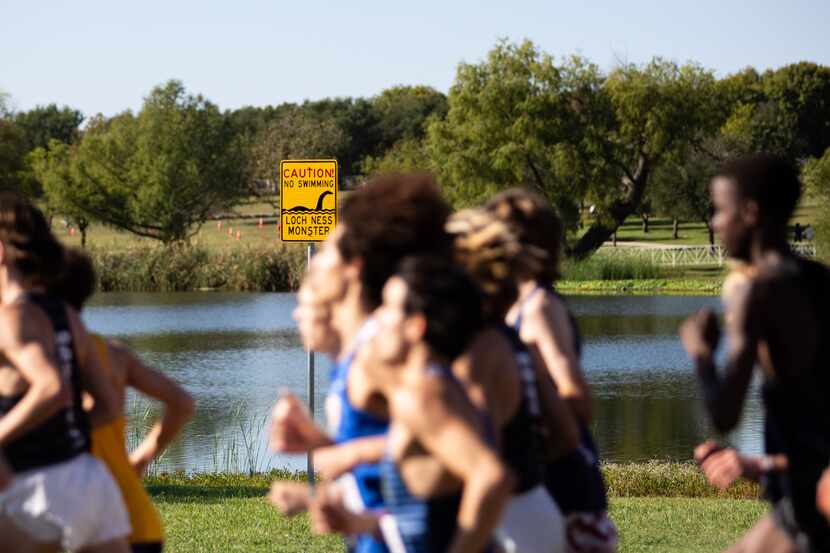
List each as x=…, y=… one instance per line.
x=544, y=322
x=122, y=369
x=798, y=232
x=61, y=496
x=444, y=486
x=780, y=323
x=809, y=233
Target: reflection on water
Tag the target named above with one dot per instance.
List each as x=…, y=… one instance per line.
x=235, y=351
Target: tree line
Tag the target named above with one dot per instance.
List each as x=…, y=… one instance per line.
x=602, y=146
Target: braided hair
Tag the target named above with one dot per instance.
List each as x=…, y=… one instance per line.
x=492, y=254
x=535, y=224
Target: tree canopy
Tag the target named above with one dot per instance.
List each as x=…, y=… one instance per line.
x=573, y=133
x=158, y=174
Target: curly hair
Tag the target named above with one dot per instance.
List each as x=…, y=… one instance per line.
x=535, y=223
x=494, y=257
x=77, y=283
x=28, y=243
x=770, y=180
x=392, y=217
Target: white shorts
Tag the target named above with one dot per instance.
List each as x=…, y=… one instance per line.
x=76, y=504
x=532, y=523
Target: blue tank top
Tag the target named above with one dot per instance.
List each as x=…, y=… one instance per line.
x=424, y=525
x=575, y=481
x=353, y=423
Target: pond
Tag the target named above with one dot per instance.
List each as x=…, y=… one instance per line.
x=235, y=351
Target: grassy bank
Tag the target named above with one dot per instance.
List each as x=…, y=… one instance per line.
x=658, y=507
x=157, y=269
x=656, y=286
x=280, y=266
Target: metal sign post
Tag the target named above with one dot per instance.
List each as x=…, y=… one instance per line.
x=310, y=374
x=308, y=213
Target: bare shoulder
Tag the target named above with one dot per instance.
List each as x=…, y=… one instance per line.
x=413, y=403
x=23, y=322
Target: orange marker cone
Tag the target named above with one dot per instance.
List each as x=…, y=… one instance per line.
x=219, y=225
x=260, y=222
x=230, y=231
x=238, y=234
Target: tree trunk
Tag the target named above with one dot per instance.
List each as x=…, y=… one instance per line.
x=601, y=231
x=82, y=228
x=614, y=239
x=675, y=229
x=711, y=232
x=644, y=217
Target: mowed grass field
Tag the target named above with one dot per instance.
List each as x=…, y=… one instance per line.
x=658, y=507
x=693, y=233
x=214, y=236
x=197, y=522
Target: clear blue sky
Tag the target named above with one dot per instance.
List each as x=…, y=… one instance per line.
x=104, y=56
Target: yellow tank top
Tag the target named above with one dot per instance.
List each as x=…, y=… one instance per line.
x=109, y=445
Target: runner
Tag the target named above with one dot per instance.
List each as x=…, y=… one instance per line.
x=61, y=496
x=443, y=484
x=545, y=324
x=379, y=225
x=313, y=317
x=492, y=255
x=780, y=323
x=722, y=466
x=122, y=369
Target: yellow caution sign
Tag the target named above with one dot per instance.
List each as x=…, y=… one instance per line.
x=308, y=199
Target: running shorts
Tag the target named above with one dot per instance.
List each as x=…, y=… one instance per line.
x=532, y=523
x=75, y=503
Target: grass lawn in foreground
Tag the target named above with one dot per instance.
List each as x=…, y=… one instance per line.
x=200, y=521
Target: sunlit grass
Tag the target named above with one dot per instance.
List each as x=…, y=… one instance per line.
x=680, y=512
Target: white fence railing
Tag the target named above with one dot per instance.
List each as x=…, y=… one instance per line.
x=682, y=256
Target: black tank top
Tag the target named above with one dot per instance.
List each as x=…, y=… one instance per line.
x=522, y=436
x=575, y=480
x=66, y=434
x=797, y=413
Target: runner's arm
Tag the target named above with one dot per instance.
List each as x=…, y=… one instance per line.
x=178, y=405
x=107, y=406
x=47, y=393
x=724, y=396
x=292, y=428
x=332, y=461
x=548, y=327
x=487, y=483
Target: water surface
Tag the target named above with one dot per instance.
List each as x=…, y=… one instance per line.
x=235, y=351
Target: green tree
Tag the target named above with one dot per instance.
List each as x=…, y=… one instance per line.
x=57, y=170
x=575, y=134
x=294, y=135
x=403, y=112
x=160, y=173
x=816, y=177
x=45, y=123
x=13, y=149
x=786, y=110
x=406, y=155
x=357, y=120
